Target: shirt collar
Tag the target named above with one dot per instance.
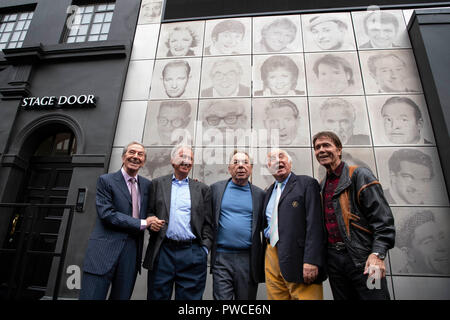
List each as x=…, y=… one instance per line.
x=338, y=171
x=126, y=176
x=184, y=180
x=283, y=183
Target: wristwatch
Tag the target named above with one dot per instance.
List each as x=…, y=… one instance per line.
x=379, y=255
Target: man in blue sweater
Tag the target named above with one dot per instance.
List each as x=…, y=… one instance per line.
x=237, y=255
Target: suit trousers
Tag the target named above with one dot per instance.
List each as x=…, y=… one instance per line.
x=121, y=277
x=231, y=276
x=280, y=289
x=185, y=266
x=348, y=282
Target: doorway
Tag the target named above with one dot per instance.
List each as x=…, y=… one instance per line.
x=23, y=273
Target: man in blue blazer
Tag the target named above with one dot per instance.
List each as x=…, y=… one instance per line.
x=114, y=252
x=296, y=248
x=237, y=255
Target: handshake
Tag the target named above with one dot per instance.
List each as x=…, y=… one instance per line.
x=155, y=224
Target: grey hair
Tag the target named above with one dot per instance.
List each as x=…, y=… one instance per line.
x=175, y=149
x=277, y=150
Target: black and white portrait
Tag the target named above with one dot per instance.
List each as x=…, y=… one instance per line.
x=277, y=34
x=334, y=73
x=380, y=29
x=422, y=244
x=301, y=164
x=175, y=79
x=279, y=75
x=328, y=32
x=157, y=163
x=170, y=122
x=212, y=164
x=281, y=121
x=411, y=176
x=181, y=39
x=400, y=120
x=227, y=37
x=390, y=71
x=361, y=157
x=150, y=11
x=224, y=122
x=226, y=77
x=345, y=116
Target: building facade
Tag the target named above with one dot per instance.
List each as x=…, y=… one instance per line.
x=80, y=80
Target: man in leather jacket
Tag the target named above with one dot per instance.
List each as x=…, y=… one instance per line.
x=359, y=224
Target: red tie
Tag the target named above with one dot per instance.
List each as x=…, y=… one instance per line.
x=134, y=198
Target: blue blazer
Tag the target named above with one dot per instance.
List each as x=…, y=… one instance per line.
x=301, y=228
x=114, y=222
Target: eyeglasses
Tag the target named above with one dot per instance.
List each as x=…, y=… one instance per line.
x=176, y=123
x=228, y=75
x=228, y=119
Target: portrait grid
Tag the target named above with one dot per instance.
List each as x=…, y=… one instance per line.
x=243, y=81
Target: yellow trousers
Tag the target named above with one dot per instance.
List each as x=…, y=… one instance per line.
x=280, y=289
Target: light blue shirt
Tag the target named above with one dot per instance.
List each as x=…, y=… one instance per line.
x=179, y=227
x=271, y=203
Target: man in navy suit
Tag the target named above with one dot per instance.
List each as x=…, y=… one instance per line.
x=295, y=253
x=114, y=252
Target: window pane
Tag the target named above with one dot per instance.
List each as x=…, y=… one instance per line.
x=93, y=38
x=86, y=18
x=80, y=10
x=2, y=27
x=9, y=26
x=70, y=39
x=89, y=9
x=13, y=17
x=102, y=7
x=2, y=46
x=77, y=19
x=5, y=37
x=83, y=30
x=27, y=24
x=30, y=15
x=19, y=44
x=73, y=31
x=81, y=39
x=96, y=28
x=99, y=17
x=15, y=36
x=23, y=16
x=20, y=25
x=111, y=6
x=12, y=45
x=108, y=17
x=103, y=37
x=22, y=35
x=105, y=28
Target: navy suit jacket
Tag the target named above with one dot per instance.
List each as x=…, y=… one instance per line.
x=302, y=235
x=257, y=247
x=114, y=222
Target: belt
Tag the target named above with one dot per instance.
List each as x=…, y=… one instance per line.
x=180, y=243
x=339, y=246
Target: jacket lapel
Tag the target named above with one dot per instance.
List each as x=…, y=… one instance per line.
x=167, y=190
x=195, y=197
x=122, y=185
x=219, y=204
x=289, y=186
x=142, y=214
x=255, y=207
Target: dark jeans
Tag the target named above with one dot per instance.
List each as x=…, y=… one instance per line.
x=184, y=266
x=348, y=282
x=231, y=277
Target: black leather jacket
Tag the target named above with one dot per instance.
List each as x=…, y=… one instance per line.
x=372, y=227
